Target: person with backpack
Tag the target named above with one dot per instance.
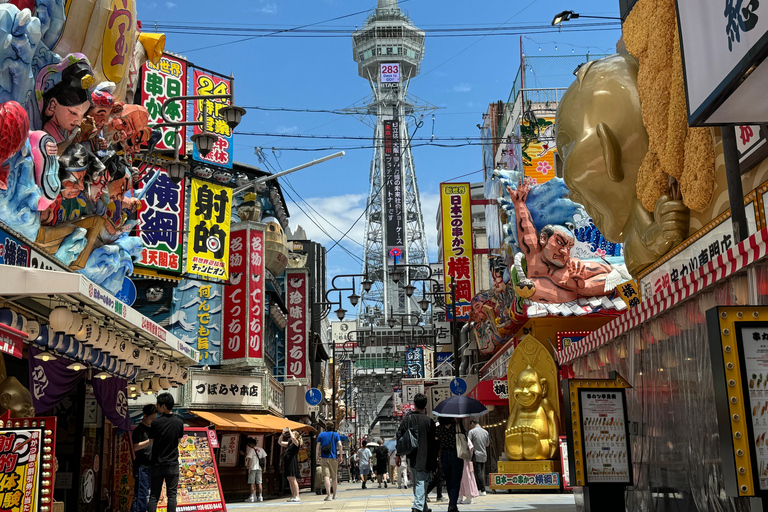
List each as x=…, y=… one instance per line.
x=329, y=451
x=416, y=440
x=255, y=460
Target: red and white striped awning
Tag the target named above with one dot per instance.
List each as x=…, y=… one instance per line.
x=747, y=252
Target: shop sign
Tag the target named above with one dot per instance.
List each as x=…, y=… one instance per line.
x=439, y=393
x=229, y=451
x=13, y=252
x=118, y=40
x=442, y=326
x=393, y=191
x=209, y=220
x=196, y=318
x=276, y=398
x=305, y=467
x=256, y=294
x=343, y=332
x=296, y=330
x=414, y=361
x=207, y=84
x=443, y=364
x=752, y=145
x=161, y=222
x=456, y=215
x=411, y=387
x=11, y=340
x=22, y=482
x=212, y=439
x=123, y=471
x=723, y=45
x=233, y=390
x=390, y=73
x=532, y=480
x=564, y=463
x=538, y=150
x=491, y=392
x=42, y=262
x=166, y=79
x=397, y=401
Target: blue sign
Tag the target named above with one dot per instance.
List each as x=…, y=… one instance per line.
x=127, y=293
x=458, y=386
x=314, y=397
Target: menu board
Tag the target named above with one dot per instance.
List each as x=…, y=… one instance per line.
x=606, y=447
x=755, y=347
x=199, y=486
x=305, y=465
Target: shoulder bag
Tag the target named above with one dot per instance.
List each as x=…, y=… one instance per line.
x=409, y=441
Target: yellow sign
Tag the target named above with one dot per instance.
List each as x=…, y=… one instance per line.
x=209, y=220
x=538, y=149
x=118, y=39
x=458, y=263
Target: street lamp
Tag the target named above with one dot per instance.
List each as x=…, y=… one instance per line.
x=367, y=283
x=392, y=322
x=354, y=298
x=409, y=289
x=570, y=15
x=204, y=142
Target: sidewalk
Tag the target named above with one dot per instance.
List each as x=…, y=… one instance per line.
x=351, y=498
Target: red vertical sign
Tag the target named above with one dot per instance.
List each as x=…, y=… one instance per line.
x=256, y=294
x=296, y=328
x=236, y=299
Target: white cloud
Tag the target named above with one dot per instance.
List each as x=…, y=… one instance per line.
x=287, y=129
x=170, y=5
x=429, y=205
x=342, y=211
x=462, y=87
x=267, y=7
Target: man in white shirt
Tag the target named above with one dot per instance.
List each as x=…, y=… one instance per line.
x=480, y=440
x=255, y=458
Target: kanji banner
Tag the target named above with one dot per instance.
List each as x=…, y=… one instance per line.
x=112, y=396
x=296, y=329
x=50, y=381
x=458, y=261
x=209, y=219
x=206, y=84
x=256, y=293
x=161, y=221
x=166, y=79
x=393, y=191
x=22, y=481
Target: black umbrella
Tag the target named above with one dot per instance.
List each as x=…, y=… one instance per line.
x=460, y=407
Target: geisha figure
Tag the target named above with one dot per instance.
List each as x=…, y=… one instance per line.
x=63, y=104
x=103, y=107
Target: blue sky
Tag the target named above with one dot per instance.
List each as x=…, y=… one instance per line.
x=460, y=74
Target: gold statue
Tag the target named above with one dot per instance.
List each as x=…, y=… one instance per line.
x=532, y=427
x=15, y=398
x=602, y=141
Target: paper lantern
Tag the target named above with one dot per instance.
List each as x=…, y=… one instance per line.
x=184, y=376
x=151, y=361
x=46, y=333
x=32, y=329
x=87, y=331
x=60, y=319
x=78, y=321
x=124, y=349
x=71, y=348
x=159, y=361
x=165, y=384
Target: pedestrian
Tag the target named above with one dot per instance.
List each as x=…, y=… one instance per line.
x=329, y=451
x=382, y=456
x=142, y=464
x=291, y=441
x=468, y=488
x=354, y=472
x=481, y=440
x=453, y=466
x=364, y=458
x=165, y=433
x=255, y=460
x=436, y=482
x=423, y=459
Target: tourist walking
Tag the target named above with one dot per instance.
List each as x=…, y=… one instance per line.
x=468, y=488
x=255, y=459
x=364, y=460
x=423, y=459
x=142, y=464
x=481, y=440
x=453, y=466
x=165, y=433
x=291, y=441
x=329, y=451
x=382, y=458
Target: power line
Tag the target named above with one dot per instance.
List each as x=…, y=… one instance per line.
x=373, y=138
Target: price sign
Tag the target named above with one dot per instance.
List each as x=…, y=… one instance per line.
x=212, y=439
x=390, y=73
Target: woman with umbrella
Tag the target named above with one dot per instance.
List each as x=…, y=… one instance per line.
x=453, y=467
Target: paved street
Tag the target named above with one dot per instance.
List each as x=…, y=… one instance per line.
x=353, y=499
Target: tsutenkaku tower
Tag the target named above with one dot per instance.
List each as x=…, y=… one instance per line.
x=388, y=50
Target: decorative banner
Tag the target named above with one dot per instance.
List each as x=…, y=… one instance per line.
x=50, y=381
x=458, y=261
x=196, y=318
x=209, y=219
x=296, y=329
x=206, y=84
x=393, y=191
x=161, y=223
x=12, y=251
x=123, y=471
x=538, y=149
x=244, y=298
x=566, y=339
x=414, y=360
x=166, y=79
x=112, y=396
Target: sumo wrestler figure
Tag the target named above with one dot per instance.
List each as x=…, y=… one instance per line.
x=532, y=425
x=602, y=141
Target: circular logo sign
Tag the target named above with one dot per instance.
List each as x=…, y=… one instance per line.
x=121, y=407
x=213, y=243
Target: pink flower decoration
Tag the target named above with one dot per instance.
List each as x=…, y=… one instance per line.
x=600, y=252
x=543, y=167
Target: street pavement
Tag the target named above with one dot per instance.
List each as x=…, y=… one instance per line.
x=351, y=498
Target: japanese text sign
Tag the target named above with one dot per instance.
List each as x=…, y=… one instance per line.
x=414, y=360
x=244, y=297
x=161, y=222
x=206, y=84
x=393, y=191
x=209, y=219
x=458, y=262
x=233, y=390
x=166, y=79
x=20, y=469
x=390, y=73
x=296, y=330
x=13, y=252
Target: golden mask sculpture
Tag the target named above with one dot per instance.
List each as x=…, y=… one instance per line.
x=534, y=416
x=602, y=141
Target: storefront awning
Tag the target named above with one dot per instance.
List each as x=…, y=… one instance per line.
x=31, y=282
x=249, y=422
x=491, y=392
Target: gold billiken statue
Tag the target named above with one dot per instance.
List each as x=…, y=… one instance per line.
x=532, y=427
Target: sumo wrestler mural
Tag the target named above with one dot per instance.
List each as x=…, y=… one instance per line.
x=68, y=183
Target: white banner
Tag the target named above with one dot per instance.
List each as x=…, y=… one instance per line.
x=218, y=389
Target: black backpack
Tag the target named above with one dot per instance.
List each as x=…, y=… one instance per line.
x=326, y=450
x=409, y=441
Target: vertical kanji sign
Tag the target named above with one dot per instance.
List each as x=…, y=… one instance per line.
x=207, y=84
x=166, y=79
x=296, y=330
x=256, y=294
x=393, y=191
x=161, y=223
x=458, y=261
x=209, y=218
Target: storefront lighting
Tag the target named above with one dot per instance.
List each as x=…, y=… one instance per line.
x=103, y=375
x=60, y=319
x=45, y=356
x=76, y=367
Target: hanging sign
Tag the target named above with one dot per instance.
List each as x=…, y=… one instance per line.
x=209, y=219
x=296, y=332
x=23, y=451
x=393, y=191
x=390, y=73
x=456, y=215
x=414, y=361
x=229, y=451
x=166, y=79
x=207, y=84
x=13, y=252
